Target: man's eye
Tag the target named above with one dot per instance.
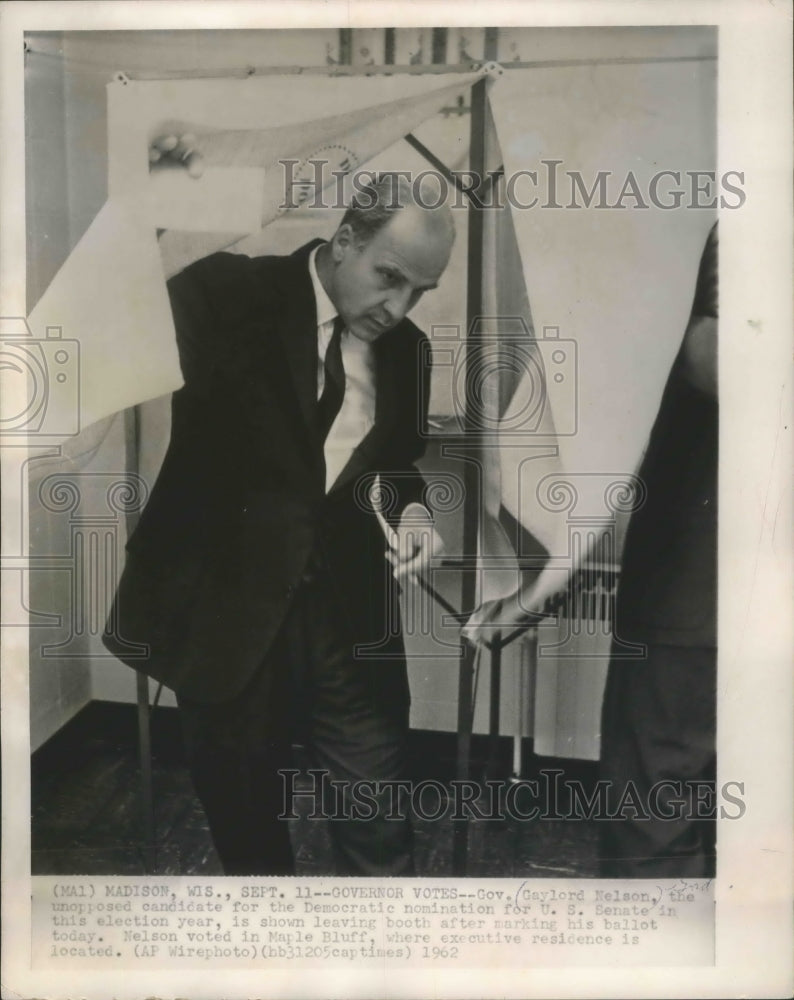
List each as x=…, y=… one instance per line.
x=389, y=277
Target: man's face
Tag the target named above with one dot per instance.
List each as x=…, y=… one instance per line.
x=374, y=285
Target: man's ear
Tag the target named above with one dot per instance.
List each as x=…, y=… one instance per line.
x=341, y=242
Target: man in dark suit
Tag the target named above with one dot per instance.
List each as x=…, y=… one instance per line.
x=258, y=579
x=658, y=726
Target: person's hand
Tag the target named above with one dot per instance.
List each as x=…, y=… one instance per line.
x=480, y=629
x=176, y=151
x=492, y=617
x=413, y=544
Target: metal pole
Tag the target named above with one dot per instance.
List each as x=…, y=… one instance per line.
x=131, y=440
x=385, y=69
x=471, y=474
x=494, y=699
x=517, y=758
x=388, y=46
x=345, y=46
x=145, y=758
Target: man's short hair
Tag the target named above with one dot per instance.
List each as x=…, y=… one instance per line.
x=375, y=204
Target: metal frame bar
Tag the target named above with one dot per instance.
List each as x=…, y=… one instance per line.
x=345, y=45
x=472, y=469
x=336, y=69
x=434, y=161
x=145, y=757
x=439, y=45
x=494, y=704
x=131, y=441
x=471, y=475
x=389, y=42
x=390, y=69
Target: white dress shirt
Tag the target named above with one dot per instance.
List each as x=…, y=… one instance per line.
x=357, y=415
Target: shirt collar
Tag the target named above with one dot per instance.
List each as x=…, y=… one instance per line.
x=326, y=310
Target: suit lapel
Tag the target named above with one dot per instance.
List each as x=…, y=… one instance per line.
x=298, y=332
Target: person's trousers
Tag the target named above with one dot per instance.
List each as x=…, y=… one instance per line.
x=352, y=716
x=658, y=757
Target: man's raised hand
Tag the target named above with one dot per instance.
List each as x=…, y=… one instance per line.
x=172, y=151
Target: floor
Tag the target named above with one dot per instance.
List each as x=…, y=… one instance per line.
x=87, y=817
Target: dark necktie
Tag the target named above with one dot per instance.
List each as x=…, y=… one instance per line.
x=330, y=402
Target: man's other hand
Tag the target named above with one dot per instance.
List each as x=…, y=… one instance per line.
x=480, y=629
x=172, y=151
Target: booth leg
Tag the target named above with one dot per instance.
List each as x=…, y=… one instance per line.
x=518, y=763
x=495, y=696
x=460, y=827
x=145, y=763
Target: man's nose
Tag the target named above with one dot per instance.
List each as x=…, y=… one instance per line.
x=398, y=304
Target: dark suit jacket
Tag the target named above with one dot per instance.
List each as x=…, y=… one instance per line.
x=668, y=583
x=240, y=501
